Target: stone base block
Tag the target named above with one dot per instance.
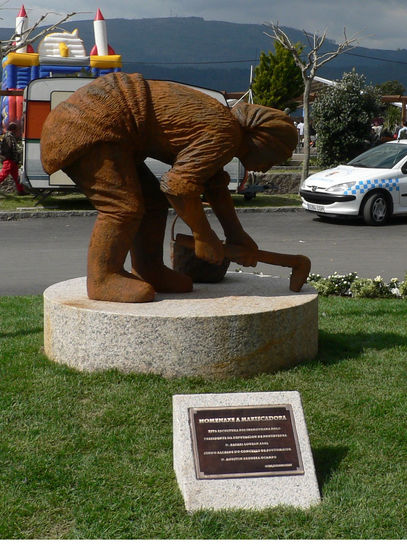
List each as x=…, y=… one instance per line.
x=242, y=492
x=245, y=325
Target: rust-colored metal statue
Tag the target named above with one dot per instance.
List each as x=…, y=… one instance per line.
x=101, y=136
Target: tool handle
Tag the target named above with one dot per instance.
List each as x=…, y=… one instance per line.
x=301, y=264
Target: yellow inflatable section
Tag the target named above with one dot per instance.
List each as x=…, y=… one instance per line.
x=22, y=59
x=106, y=61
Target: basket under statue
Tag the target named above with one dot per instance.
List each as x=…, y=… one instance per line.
x=184, y=261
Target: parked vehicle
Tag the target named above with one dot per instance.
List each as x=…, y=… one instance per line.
x=372, y=186
x=42, y=95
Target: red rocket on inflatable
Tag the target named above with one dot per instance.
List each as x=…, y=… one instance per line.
x=21, y=28
x=101, y=46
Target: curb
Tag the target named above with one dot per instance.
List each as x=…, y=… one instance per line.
x=14, y=216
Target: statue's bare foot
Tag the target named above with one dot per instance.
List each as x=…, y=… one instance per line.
x=164, y=279
x=120, y=287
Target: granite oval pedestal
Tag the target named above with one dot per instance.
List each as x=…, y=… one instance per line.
x=245, y=325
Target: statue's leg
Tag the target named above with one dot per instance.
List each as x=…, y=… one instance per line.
x=107, y=175
x=147, y=249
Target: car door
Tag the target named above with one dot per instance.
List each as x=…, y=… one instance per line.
x=403, y=190
x=403, y=184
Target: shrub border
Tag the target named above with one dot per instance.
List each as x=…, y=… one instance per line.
x=351, y=285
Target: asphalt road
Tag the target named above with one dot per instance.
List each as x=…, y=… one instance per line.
x=37, y=252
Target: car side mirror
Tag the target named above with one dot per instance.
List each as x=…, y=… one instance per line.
x=404, y=168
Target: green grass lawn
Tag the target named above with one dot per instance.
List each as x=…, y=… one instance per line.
x=89, y=456
x=77, y=201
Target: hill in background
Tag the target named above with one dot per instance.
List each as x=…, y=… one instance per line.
x=178, y=48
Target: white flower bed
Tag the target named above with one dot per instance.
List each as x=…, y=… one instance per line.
x=353, y=286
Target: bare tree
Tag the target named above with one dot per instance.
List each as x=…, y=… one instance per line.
x=18, y=41
x=309, y=68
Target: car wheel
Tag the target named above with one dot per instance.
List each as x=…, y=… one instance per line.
x=376, y=210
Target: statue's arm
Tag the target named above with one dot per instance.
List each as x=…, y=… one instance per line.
x=207, y=245
x=220, y=199
x=194, y=171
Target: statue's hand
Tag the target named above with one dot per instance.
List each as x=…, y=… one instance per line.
x=243, y=249
x=209, y=249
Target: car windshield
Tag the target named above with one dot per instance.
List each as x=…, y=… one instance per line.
x=382, y=156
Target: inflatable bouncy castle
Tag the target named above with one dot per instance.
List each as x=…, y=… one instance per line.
x=59, y=54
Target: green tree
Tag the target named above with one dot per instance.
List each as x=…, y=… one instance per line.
x=342, y=115
x=309, y=65
x=277, y=78
x=391, y=87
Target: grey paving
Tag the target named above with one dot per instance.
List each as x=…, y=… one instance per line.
x=37, y=252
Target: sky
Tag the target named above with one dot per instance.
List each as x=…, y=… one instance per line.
x=377, y=24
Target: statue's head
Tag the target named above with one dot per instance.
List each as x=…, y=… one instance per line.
x=269, y=136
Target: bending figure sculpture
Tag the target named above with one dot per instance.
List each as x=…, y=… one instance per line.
x=101, y=135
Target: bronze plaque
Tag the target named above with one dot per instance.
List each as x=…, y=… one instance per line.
x=253, y=441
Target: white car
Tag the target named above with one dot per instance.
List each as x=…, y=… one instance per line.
x=372, y=186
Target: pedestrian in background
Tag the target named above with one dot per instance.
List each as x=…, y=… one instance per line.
x=300, y=130
x=9, y=155
x=402, y=133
